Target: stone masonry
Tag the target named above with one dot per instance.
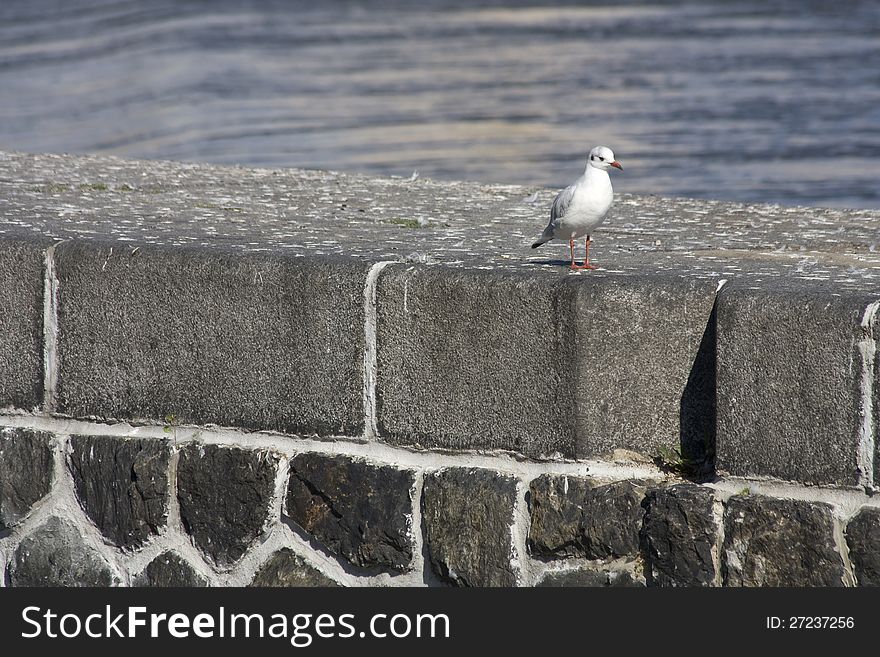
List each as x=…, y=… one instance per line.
x=223, y=376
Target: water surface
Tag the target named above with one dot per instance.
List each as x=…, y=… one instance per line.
x=775, y=101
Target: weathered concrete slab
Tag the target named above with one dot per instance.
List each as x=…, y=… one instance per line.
x=469, y=224
x=211, y=338
x=21, y=321
x=633, y=361
x=790, y=383
x=542, y=364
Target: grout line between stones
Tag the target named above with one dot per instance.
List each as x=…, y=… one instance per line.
x=346, y=446
x=867, y=431
x=718, y=548
x=519, y=531
x=849, y=578
x=50, y=331
x=370, y=348
x=420, y=567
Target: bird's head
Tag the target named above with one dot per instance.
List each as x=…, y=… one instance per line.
x=602, y=157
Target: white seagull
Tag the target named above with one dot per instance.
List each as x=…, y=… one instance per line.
x=580, y=208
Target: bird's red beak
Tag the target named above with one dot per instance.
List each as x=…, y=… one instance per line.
x=617, y=165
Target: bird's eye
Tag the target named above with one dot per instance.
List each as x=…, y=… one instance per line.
x=601, y=158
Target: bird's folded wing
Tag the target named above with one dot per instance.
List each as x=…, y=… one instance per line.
x=560, y=204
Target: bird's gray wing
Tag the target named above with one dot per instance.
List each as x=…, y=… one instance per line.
x=560, y=205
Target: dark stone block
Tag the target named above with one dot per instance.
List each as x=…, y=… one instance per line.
x=585, y=577
x=358, y=510
x=21, y=323
x=55, y=555
x=26, y=472
x=250, y=341
x=678, y=535
x=286, y=568
x=574, y=517
x=863, y=539
x=224, y=495
x=468, y=514
x=544, y=365
x=789, y=383
x=169, y=570
x=772, y=542
x=122, y=484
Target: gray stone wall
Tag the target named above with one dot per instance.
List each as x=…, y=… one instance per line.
x=223, y=376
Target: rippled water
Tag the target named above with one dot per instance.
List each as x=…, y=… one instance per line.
x=773, y=101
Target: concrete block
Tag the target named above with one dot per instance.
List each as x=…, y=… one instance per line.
x=544, y=364
x=21, y=323
x=790, y=377
x=254, y=341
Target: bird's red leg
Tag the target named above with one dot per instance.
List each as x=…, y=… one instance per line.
x=571, y=250
x=587, y=264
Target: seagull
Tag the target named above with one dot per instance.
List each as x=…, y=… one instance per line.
x=580, y=208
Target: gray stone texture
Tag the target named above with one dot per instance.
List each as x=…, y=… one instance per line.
x=55, y=555
x=122, y=484
x=678, y=535
x=592, y=578
x=169, y=570
x=542, y=364
x=285, y=568
x=776, y=542
x=575, y=517
x=471, y=224
x=467, y=515
x=26, y=472
x=863, y=539
x=358, y=510
x=789, y=383
x=252, y=341
x=21, y=322
x=224, y=495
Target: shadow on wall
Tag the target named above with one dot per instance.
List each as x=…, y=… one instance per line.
x=697, y=412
